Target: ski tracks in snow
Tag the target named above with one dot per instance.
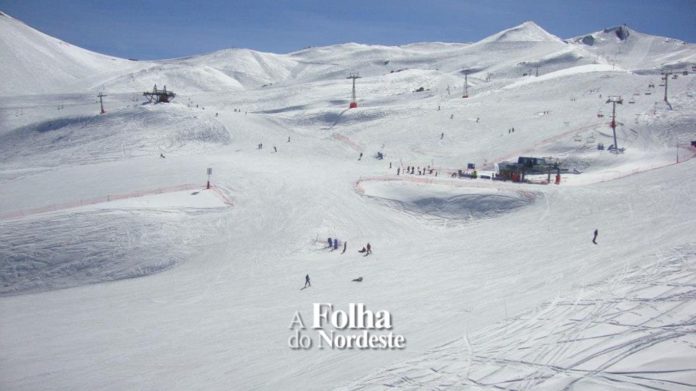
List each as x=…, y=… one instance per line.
x=636, y=331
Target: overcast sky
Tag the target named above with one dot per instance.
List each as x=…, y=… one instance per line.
x=155, y=29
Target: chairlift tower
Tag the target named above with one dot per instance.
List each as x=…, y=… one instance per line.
x=665, y=76
x=159, y=96
x=466, y=84
x=614, y=100
x=101, y=102
x=354, y=101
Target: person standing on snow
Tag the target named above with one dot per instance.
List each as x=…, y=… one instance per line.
x=306, y=281
x=594, y=239
x=369, y=249
x=330, y=243
x=335, y=244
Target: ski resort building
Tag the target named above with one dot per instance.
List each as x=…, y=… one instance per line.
x=517, y=171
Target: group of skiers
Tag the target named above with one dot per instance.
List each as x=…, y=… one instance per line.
x=308, y=283
x=333, y=245
x=367, y=250
x=413, y=170
x=275, y=148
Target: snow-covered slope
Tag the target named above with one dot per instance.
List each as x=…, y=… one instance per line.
x=120, y=270
x=35, y=63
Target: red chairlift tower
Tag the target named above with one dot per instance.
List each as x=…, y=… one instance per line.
x=354, y=101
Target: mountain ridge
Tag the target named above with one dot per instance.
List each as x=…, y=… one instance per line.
x=39, y=63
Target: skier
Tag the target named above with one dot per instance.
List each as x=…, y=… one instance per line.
x=275, y=149
x=398, y=170
x=288, y=138
x=369, y=250
x=390, y=165
x=361, y=154
x=306, y=281
x=260, y=145
x=594, y=239
x=442, y=135
x=330, y=243
x=345, y=246
x=335, y=244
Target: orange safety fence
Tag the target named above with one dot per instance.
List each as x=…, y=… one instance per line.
x=108, y=198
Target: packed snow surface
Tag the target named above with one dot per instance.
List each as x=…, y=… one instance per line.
x=121, y=269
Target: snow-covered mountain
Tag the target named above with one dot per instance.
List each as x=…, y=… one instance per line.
x=35, y=63
x=38, y=63
x=119, y=269
x=526, y=32
x=636, y=51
